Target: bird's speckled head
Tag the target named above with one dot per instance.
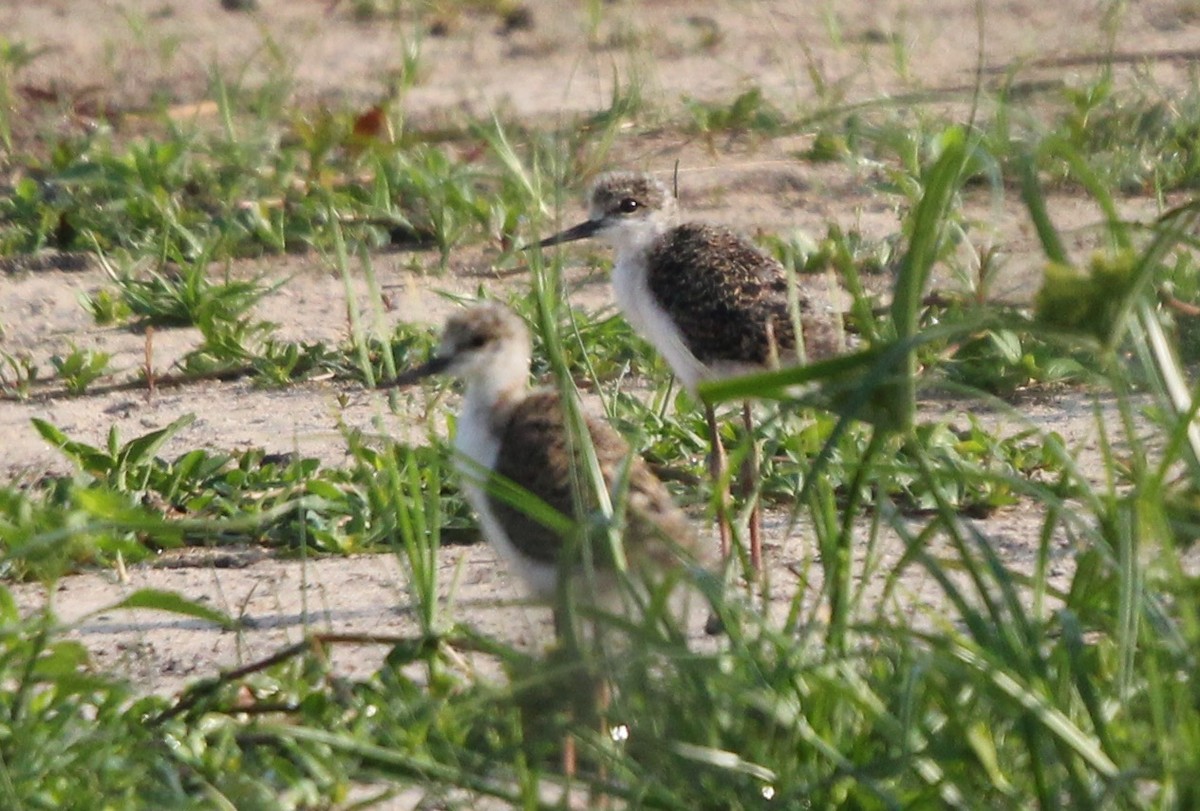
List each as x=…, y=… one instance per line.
x=630, y=196
x=628, y=210
x=476, y=338
x=486, y=344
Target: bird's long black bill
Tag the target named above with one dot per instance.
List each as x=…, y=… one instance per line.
x=582, y=231
x=431, y=367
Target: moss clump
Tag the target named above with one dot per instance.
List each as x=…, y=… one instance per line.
x=1090, y=301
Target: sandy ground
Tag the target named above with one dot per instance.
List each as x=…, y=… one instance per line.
x=126, y=54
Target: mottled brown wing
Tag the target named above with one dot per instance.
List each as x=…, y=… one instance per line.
x=656, y=530
x=728, y=298
x=535, y=454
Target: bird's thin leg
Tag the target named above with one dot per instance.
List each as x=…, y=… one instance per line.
x=716, y=469
x=603, y=699
x=749, y=483
x=569, y=757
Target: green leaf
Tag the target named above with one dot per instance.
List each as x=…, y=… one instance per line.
x=136, y=451
x=86, y=457
x=169, y=601
x=62, y=659
x=8, y=606
x=50, y=433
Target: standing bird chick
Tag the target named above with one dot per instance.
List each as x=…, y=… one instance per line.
x=709, y=301
x=509, y=433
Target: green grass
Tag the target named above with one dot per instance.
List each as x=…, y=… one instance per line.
x=1066, y=679
x=100, y=511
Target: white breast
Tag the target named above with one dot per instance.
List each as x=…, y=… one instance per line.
x=477, y=447
x=632, y=292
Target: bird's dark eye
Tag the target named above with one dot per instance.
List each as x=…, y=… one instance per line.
x=628, y=205
x=476, y=341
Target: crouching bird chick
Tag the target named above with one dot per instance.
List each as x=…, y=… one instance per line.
x=513, y=442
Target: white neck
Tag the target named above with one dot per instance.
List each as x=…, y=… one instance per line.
x=494, y=385
x=631, y=289
x=634, y=239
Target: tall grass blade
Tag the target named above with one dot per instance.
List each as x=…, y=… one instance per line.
x=941, y=182
x=1035, y=201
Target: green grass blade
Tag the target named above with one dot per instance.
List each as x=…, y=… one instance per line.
x=1035, y=202
x=941, y=181
x=1049, y=716
x=172, y=603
